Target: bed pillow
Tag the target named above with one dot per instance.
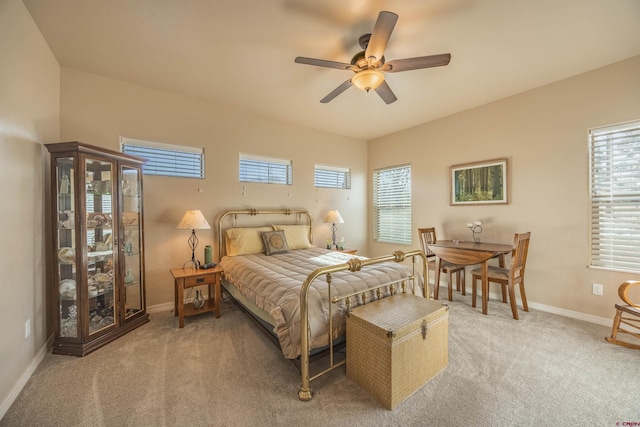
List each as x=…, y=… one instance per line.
x=297, y=235
x=275, y=242
x=245, y=241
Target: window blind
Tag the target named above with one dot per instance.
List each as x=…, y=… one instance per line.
x=265, y=170
x=392, y=204
x=332, y=177
x=166, y=159
x=615, y=197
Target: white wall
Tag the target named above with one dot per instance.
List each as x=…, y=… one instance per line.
x=543, y=132
x=29, y=117
x=97, y=110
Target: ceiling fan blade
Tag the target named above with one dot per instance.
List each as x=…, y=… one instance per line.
x=323, y=63
x=417, y=63
x=386, y=93
x=380, y=35
x=337, y=91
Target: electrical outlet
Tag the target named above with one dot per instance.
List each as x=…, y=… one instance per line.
x=597, y=289
x=27, y=328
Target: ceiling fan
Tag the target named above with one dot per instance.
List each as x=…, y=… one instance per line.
x=369, y=64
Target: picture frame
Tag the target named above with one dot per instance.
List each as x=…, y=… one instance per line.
x=480, y=183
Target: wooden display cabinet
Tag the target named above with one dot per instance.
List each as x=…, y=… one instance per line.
x=97, y=246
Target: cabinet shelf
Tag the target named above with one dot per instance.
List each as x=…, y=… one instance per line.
x=190, y=310
x=99, y=254
x=91, y=296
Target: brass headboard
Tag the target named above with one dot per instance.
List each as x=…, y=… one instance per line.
x=300, y=214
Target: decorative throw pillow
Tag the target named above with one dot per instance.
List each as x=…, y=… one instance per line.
x=275, y=242
x=297, y=235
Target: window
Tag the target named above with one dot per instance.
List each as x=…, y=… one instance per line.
x=614, y=154
x=166, y=159
x=392, y=204
x=332, y=177
x=265, y=169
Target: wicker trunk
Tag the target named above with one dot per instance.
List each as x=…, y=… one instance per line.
x=396, y=345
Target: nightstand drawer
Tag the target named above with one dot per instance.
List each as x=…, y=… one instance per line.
x=199, y=280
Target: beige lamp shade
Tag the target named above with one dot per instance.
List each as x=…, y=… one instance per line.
x=193, y=220
x=334, y=217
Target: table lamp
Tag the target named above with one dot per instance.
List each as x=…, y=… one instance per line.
x=193, y=220
x=333, y=217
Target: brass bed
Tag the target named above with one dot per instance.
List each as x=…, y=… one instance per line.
x=302, y=287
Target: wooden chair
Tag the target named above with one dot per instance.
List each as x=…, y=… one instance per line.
x=428, y=235
x=508, y=277
x=634, y=322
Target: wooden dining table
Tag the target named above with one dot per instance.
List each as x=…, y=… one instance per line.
x=468, y=253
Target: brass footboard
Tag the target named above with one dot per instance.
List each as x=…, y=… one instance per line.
x=305, y=393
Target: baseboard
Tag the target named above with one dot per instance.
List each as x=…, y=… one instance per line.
x=570, y=313
x=168, y=306
x=17, y=388
x=550, y=309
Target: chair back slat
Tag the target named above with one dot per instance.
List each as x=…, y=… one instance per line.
x=427, y=235
x=520, y=250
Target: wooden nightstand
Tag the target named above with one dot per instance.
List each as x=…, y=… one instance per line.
x=348, y=251
x=188, y=278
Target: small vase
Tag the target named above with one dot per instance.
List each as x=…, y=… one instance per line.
x=198, y=301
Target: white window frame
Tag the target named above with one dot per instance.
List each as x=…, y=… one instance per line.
x=614, y=184
x=326, y=176
x=264, y=170
x=166, y=159
x=392, y=205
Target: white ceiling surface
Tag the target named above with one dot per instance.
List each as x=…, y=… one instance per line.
x=241, y=52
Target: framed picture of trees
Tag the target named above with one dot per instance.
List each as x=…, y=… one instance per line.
x=480, y=183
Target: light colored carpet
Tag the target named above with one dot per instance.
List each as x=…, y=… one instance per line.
x=542, y=370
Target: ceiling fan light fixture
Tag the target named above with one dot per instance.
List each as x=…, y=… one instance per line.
x=369, y=63
x=366, y=80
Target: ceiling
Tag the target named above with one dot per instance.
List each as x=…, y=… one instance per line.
x=241, y=52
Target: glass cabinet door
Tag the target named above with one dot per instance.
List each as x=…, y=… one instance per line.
x=66, y=247
x=132, y=240
x=100, y=239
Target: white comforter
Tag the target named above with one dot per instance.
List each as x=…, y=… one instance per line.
x=274, y=282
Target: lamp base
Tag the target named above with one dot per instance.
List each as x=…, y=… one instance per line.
x=193, y=243
x=333, y=235
x=193, y=263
